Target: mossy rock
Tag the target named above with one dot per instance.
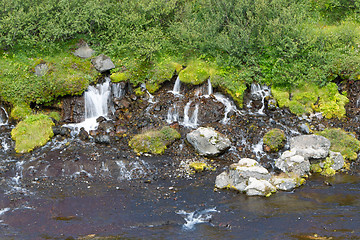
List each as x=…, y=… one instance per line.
x=154, y=141
x=120, y=76
x=342, y=142
x=34, y=131
x=196, y=72
x=275, y=139
x=198, y=166
x=20, y=112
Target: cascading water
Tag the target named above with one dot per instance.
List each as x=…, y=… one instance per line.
x=192, y=121
x=260, y=92
x=96, y=105
x=196, y=217
x=209, y=87
x=177, y=87
x=173, y=115
x=229, y=106
x=3, y=116
x=117, y=90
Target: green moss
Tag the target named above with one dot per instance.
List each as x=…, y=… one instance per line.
x=198, y=166
x=315, y=168
x=275, y=139
x=297, y=108
x=119, y=76
x=34, y=131
x=282, y=96
x=328, y=172
x=342, y=142
x=20, y=111
x=154, y=141
x=196, y=72
x=54, y=115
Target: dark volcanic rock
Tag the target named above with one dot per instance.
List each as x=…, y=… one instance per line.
x=102, y=139
x=73, y=109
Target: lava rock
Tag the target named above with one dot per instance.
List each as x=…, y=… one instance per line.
x=208, y=142
x=102, y=63
x=83, y=135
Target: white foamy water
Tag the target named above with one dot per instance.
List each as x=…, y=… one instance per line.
x=3, y=116
x=260, y=92
x=229, y=106
x=132, y=170
x=258, y=149
x=190, y=121
x=196, y=217
x=172, y=115
x=177, y=87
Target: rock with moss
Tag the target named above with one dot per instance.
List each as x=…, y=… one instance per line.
x=287, y=182
x=343, y=142
x=34, y=131
x=208, y=141
x=291, y=162
x=258, y=187
x=275, y=139
x=154, y=141
x=102, y=63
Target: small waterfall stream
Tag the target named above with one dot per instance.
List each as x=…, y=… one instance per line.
x=177, y=87
x=3, y=116
x=259, y=92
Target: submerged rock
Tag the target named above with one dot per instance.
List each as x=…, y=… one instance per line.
x=102, y=63
x=310, y=146
x=291, y=162
x=208, y=142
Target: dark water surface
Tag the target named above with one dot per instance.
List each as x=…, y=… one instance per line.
x=157, y=210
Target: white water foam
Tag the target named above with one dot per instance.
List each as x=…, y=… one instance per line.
x=260, y=92
x=229, y=106
x=196, y=217
x=192, y=121
x=132, y=170
x=177, y=87
x=172, y=115
x=3, y=116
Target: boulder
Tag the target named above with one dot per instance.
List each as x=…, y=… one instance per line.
x=41, y=69
x=291, y=162
x=337, y=159
x=286, y=183
x=239, y=174
x=310, y=146
x=102, y=139
x=83, y=134
x=258, y=187
x=102, y=63
x=84, y=51
x=208, y=142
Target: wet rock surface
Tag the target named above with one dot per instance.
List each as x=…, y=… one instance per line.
x=73, y=187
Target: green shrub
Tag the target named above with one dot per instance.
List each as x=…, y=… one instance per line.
x=34, y=131
x=154, y=141
x=275, y=139
x=196, y=72
x=342, y=142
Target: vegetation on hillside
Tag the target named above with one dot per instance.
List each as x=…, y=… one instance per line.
x=283, y=43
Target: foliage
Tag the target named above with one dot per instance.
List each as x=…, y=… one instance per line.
x=342, y=142
x=34, y=131
x=196, y=72
x=154, y=141
x=275, y=139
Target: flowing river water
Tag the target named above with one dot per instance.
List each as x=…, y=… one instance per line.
x=74, y=189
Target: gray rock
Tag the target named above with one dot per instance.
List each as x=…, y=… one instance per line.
x=208, y=142
x=285, y=183
x=337, y=159
x=102, y=63
x=41, y=69
x=304, y=128
x=258, y=187
x=84, y=51
x=310, y=146
x=239, y=174
x=290, y=162
x=102, y=139
x=272, y=104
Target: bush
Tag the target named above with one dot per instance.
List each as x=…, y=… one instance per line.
x=34, y=131
x=154, y=141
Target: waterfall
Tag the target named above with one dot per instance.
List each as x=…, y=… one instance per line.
x=173, y=115
x=209, y=88
x=177, y=85
x=229, y=106
x=117, y=90
x=260, y=92
x=190, y=121
x=3, y=116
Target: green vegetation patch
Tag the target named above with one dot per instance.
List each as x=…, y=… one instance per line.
x=34, y=131
x=275, y=139
x=20, y=112
x=310, y=98
x=154, y=141
x=196, y=72
x=65, y=75
x=324, y=168
x=342, y=142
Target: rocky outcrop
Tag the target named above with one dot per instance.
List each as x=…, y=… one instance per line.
x=41, y=69
x=102, y=63
x=208, y=142
x=291, y=162
x=246, y=176
x=310, y=146
x=73, y=109
x=337, y=160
